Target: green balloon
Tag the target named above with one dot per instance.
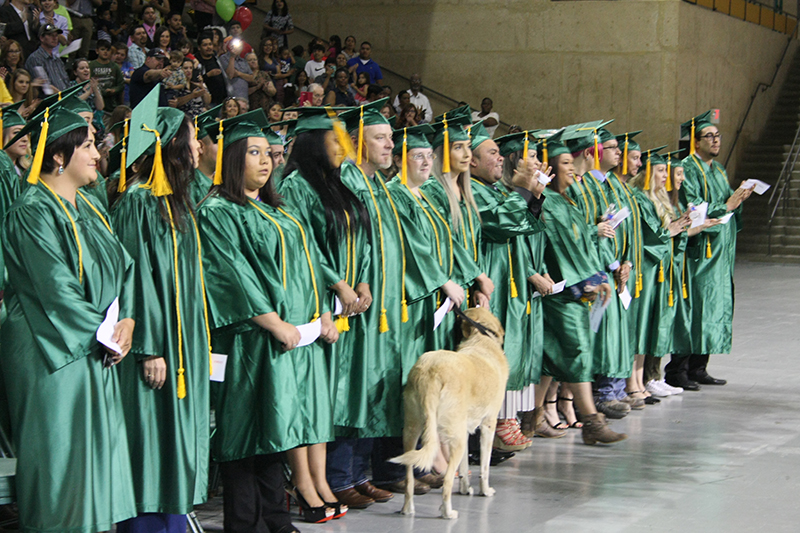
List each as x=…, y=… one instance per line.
x=226, y=9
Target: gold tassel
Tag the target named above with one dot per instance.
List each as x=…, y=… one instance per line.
x=384, y=323
x=340, y=324
x=341, y=135
x=528, y=310
x=708, y=248
x=544, y=152
x=446, y=148
x=513, y=289
x=360, y=137
x=404, y=169
x=1, y=125
x=661, y=272
x=596, y=152
x=218, y=164
x=195, y=127
x=123, y=159
x=647, y=174
x=525, y=148
x=669, y=177
x=511, y=273
x=625, y=157
x=671, y=303
x=157, y=183
x=404, y=312
x=181, y=384
x=691, y=141
x=346, y=323
x=36, y=166
x=685, y=292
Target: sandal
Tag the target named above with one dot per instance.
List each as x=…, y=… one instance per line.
x=548, y=415
x=509, y=438
x=574, y=425
x=649, y=400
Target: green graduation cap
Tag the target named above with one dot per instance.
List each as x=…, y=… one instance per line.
x=604, y=135
x=205, y=119
x=115, y=157
x=579, y=137
x=649, y=158
x=464, y=110
x=673, y=161
x=10, y=117
x=366, y=115
x=406, y=139
x=625, y=142
x=230, y=130
x=515, y=142
x=693, y=125
x=449, y=130
x=274, y=138
x=478, y=135
x=44, y=129
x=551, y=147
x=53, y=98
x=323, y=118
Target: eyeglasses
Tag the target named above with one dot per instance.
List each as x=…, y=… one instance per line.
x=711, y=137
x=423, y=157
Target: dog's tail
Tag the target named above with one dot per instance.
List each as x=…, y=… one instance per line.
x=424, y=457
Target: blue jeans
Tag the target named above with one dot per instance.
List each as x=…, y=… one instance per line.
x=384, y=472
x=607, y=389
x=154, y=523
x=347, y=462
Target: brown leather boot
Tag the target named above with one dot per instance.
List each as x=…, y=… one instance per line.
x=542, y=428
x=595, y=429
x=526, y=422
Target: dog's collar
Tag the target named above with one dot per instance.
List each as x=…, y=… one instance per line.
x=480, y=327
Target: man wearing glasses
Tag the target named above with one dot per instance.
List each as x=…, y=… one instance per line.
x=709, y=256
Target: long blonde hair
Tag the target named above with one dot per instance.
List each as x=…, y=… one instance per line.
x=656, y=194
x=464, y=185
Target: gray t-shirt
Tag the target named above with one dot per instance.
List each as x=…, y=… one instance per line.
x=238, y=86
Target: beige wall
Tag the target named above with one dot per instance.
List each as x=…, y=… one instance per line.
x=649, y=64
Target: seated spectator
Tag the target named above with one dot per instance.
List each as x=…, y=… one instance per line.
x=387, y=111
x=364, y=63
x=334, y=47
x=48, y=16
x=349, y=49
x=230, y=108
x=218, y=40
x=145, y=78
x=341, y=61
x=11, y=58
x=212, y=71
x=120, y=56
x=315, y=67
x=176, y=30
x=274, y=113
x=416, y=97
x=374, y=93
x=490, y=119
x=46, y=57
x=237, y=70
x=341, y=94
x=196, y=99
x=108, y=74
x=150, y=24
x=136, y=48
x=120, y=113
x=386, y=92
x=261, y=90
x=176, y=83
x=299, y=57
x=121, y=17
x=244, y=105
x=301, y=84
x=278, y=23
x=162, y=39
x=361, y=87
x=317, y=95
x=185, y=47
x=91, y=91
x=407, y=117
x=107, y=27
x=21, y=87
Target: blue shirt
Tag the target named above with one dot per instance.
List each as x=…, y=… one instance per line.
x=370, y=67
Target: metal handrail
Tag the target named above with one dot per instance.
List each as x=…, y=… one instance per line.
x=785, y=178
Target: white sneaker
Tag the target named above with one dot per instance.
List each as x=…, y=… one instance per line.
x=670, y=388
x=657, y=388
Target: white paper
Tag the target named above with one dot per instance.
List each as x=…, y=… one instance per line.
x=758, y=186
x=543, y=178
x=309, y=332
x=438, y=316
x=106, y=330
x=698, y=215
x=625, y=297
x=74, y=46
x=337, y=306
x=596, y=314
x=218, y=363
x=621, y=215
x=557, y=287
x=726, y=218
x=42, y=75
x=613, y=266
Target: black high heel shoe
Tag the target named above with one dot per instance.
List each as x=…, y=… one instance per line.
x=339, y=509
x=314, y=515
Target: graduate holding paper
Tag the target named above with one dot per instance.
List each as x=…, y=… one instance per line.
x=65, y=268
x=264, y=279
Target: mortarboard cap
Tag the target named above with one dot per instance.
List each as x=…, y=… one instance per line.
x=696, y=124
x=408, y=139
x=478, y=135
x=230, y=130
x=627, y=145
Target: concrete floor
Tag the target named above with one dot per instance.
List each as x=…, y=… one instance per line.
x=722, y=459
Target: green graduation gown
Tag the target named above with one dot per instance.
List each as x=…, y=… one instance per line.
x=348, y=259
x=534, y=337
x=168, y=436
x=199, y=187
x=710, y=258
x=68, y=424
x=570, y=254
x=505, y=220
x=654, y=269
x=270, y=400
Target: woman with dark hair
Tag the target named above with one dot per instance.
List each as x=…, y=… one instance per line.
x=12, y=57
x=162, y=38
x=349, y=49
x=166, y=383
x=66, y=268
x=264, y=280
x=278, y=23
x=21, y=89
x=334, y=47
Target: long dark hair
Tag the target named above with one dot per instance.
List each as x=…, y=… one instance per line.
x=179, y=168
x=283, y=12
x=310, y=159
x=64, y=145
x=232, y=188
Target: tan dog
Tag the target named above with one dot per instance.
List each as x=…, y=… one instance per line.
x=448, y=395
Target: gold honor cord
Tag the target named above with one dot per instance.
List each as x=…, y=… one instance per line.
x=684, y=288
x=96, y=212
x=283, y=240
x=430, y=220
x=705, y=190
x=671, y=300
x=624, y=222
x=637, y=238
x=605, y=201
x=74, y=227
x=403, y=303
x=203, y=287
x=383, y=325
x=447, y=227
x=472, y=235
x=585, y=200
x=181, y=369
x=308, y=259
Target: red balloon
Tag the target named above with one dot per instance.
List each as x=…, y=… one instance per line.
x=243, y=16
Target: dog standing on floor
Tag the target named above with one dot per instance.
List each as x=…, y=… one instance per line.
x=448, y=395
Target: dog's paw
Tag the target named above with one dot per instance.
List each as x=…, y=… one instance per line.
x=408, y=509
x=452, y=514
x=463, y=486
x=488, y=492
